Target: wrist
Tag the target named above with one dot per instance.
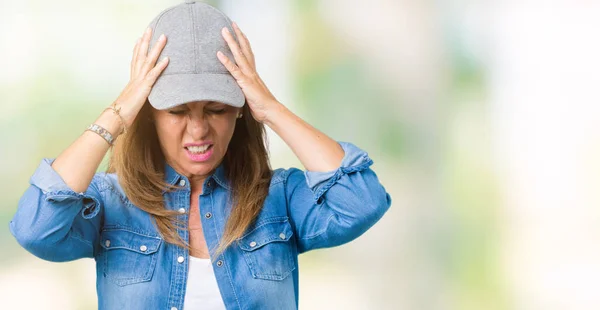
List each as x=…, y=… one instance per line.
x=111, y=122
x=116, y=110
x=274, y=113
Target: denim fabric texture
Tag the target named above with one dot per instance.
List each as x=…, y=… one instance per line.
x=137, y=269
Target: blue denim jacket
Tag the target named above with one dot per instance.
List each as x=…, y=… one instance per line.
x=137, y=269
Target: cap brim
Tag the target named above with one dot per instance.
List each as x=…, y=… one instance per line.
x=175, y=89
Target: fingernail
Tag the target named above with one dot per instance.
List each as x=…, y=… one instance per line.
x=165, y=59
x=148, y=30
x=162, y=37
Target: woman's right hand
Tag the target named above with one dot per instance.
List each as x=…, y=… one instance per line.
x=144, y=72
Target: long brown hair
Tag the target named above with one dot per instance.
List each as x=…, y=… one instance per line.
x=138, y=161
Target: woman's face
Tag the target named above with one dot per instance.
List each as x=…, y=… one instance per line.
x=185, y=131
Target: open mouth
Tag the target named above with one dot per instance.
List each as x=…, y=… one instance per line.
x=199, y=149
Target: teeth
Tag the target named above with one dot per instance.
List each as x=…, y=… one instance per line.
x=198, y=149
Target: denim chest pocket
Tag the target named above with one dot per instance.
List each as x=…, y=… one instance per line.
x=129, y=257
x=267, y=249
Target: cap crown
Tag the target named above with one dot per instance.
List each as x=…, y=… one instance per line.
x=193, y=31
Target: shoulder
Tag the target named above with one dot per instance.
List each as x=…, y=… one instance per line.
x=104, y=181
x=282, y=175
x=108, y=183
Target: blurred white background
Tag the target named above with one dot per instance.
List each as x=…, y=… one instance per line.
x=482, y=119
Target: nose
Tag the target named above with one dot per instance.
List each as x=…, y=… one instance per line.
x=197, y=125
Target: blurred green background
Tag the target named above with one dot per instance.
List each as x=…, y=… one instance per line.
x=481, y=118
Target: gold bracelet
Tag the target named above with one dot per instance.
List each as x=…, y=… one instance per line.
x=116, y=111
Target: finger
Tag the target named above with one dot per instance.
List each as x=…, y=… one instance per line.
x=250, y=52
x=154, y=53
x=156, y=71
x=238, y=55
x=244, y=44
x=134, y=58
x=231, y=67
x=143, y=50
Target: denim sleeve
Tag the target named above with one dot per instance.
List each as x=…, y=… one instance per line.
x=331, y=208
x=55, y=223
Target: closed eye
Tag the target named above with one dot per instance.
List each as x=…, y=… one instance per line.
x=217, y=111
x=178, y=112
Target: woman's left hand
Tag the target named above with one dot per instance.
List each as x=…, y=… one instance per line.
x=258, y=96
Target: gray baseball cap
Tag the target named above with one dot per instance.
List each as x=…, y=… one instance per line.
x=194, y=73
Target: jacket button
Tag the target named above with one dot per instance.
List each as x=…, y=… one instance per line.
x=107, y=243
x=180, y=259
x=282, y=235
x=173, y=308
x=182, y=182
x=181, y=210
x=143, y=248
x=219, y=263
x=252, y=244
x=208, y=215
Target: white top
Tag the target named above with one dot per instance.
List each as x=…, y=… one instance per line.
x=201, y=290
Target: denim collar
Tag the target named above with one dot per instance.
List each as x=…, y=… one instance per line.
x=172, y=177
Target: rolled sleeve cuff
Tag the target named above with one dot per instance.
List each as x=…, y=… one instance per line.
x=355, y=159
x=55, y=189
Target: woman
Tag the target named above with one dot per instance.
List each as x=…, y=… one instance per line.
x=189, y=214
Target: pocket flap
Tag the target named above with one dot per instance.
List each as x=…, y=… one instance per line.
x=120, y=238
x=270, y=230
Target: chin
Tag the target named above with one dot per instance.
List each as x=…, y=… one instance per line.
x=196, y=168
x=199, y=168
